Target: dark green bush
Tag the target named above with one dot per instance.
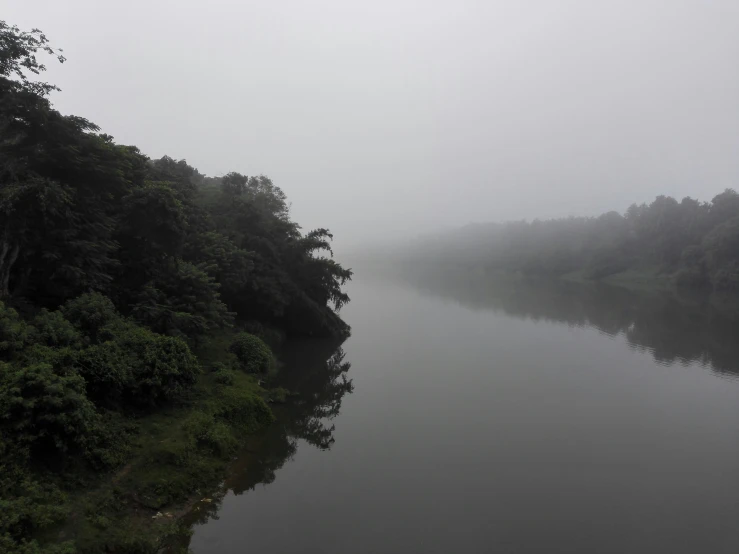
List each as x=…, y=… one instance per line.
x=278, y=395
x=214, y=435
x=225, y=376
x=28, y=506
x=219, y=439
x=14, y=332
x=253, y=354
x=52, y=329
x=107, y=369
x=92, y=314
x=47, y=412
x=243, y=408
x=163, y=367
x=215, y=367
x=7, y=544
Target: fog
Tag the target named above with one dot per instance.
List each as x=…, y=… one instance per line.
x=382, y=118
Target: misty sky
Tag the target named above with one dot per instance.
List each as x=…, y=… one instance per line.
x=380, y=117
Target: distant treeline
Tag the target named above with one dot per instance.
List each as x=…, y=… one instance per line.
x=694, y=243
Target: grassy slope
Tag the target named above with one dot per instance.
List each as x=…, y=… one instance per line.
x=175, y=453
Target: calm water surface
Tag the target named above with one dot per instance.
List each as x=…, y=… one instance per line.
x=501, y=418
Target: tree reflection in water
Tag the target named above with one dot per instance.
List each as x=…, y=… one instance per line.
x=684, y=327
x=315, y=373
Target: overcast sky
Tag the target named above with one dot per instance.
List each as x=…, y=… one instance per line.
x=387, y=117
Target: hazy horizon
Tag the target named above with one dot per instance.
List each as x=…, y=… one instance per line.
x=388, y=118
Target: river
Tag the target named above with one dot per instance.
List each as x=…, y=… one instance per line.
x=466, y=415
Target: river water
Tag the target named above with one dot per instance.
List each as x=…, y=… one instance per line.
x=469, y=415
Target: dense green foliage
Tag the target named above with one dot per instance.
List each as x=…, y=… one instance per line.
x=695, y=243
x=180, y=252
x=69, y=381
x=113, y=267
x=254, y=356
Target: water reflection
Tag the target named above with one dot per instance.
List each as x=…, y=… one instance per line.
x=675, y=328
x=315, y=372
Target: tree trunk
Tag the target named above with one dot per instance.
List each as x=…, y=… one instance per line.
x=8, y=256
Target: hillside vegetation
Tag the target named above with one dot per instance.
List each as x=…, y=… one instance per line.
x=124, y=384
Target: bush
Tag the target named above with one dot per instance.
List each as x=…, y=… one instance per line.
x=14, y=332
x=163, y=367
x=7, y=544
x=47, y=412
x=278, y=395
x=107, y=369
x=92, y=313
x=253, y=354
x=224, y=376
x=214, y=435
x=215, y=367
x=219, y=439
x=28, y=506
x=243, y=408
x=52, y=329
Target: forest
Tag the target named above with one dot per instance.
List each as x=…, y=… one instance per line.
x=687, y=243
x=137, y=301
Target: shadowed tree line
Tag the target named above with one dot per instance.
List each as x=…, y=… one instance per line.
x=696, y=244
x=690, y=327
x=178, y=251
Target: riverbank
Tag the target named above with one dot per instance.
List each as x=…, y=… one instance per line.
x=634, y=279
x=175, y=456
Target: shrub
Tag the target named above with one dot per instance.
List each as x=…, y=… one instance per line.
x=278, y=395
x=92, y=313
x=106, y=368
x=224, y=376
x=214, y=435
x=47, y=412
x=7, y=544
x=28, y=506
x=163, y=367
x=52, y=329
x=14, y=332
x=215, y=367
x=219, y=439
x=243, y=408
x=253, y=354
